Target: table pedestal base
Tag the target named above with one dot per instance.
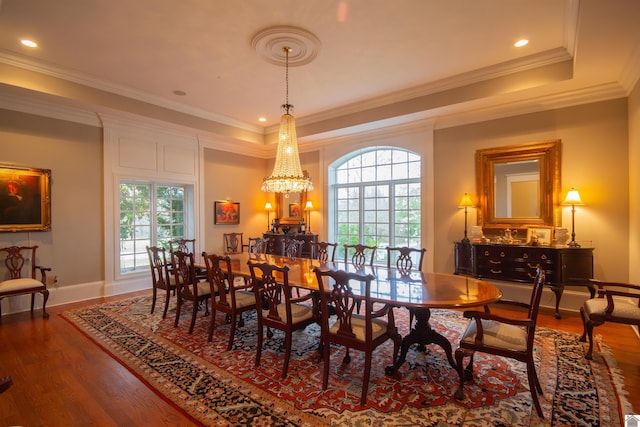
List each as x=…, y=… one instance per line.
x=421, y=334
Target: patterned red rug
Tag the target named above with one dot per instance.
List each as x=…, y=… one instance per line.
x=216, y=387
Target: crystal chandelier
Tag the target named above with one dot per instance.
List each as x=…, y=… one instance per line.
x=287, y=176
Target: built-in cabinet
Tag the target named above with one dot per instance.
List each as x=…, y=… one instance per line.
x=274, y=242
x=517, y=263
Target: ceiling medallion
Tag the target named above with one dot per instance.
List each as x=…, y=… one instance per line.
x=270, y=44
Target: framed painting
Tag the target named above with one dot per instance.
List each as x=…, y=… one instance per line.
x=226, y=212
x=294, y=210
x=25, y=199
x=543, y=234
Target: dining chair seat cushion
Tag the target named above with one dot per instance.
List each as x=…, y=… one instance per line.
x=24, y=283
x=621, y=308
x=299, y=312
x=498, y=335
x=378, y=327
x=245, y=299
x=238, y=281
x=203, y=289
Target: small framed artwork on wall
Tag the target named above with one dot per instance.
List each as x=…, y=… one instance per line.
x=542, y=235
x=226, y=212
x=25, y=199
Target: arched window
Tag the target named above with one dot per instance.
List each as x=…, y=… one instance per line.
x=375, y=199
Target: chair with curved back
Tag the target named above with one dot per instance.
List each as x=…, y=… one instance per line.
x=615, y=302
x=229, y=296
x=292, y=248
x=233, y=243
x=188, y=287
x=509, y=337
x=360, y=332
x=16, y=259
x=405, y=259
x=324, y=251
x=257, y=245
x=279, y=309
x=357, y=254
x=161, y=277
x=184, y=245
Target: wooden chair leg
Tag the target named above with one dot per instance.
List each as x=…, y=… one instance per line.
x=194, y=315
x=153, y=299
x=166, y=304
x=365, y=380
x=45, y=298
x=232, y=332
x=534, y=386
x=212, y=325
x=287, y=354
x=178, y=307
x=259, y=347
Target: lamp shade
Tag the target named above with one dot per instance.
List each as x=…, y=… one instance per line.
x=466, y=201
x=573, y=198
x=268, y=206
x=308, y=206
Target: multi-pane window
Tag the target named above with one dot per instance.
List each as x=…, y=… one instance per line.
x=376, y=200
x=150, y=215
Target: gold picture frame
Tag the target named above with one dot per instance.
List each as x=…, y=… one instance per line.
x=25, y=199
x=226, y=212
x=545, y=234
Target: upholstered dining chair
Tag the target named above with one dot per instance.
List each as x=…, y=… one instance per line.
x=278, y=307
x=228, y=295
x=188, y=287
x=233, y=243
x=615, y=302
x=503, y=336
x=161, y=277
x=363, y=332
x=359, y=255
x=292, y=248
x=21, y=278
x=324, y=251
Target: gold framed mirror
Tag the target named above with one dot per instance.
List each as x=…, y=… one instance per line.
x=289, y=208
x=519, y=185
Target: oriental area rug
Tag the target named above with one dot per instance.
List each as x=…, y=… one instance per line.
x=217, y=387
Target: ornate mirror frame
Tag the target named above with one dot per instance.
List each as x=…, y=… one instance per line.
x=282, y=210
x=548, y=153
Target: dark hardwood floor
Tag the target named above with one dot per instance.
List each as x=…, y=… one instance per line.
x=61, y=378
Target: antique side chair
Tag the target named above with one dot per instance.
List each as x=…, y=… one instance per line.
x=188, y=287
x=161, y=277
x=19, y=282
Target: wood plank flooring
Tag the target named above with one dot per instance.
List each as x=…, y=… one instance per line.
x=61, y=378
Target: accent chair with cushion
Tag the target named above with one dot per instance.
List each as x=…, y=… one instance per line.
x=503, y=336
x=228, y=295
x=615, y=302
x=279, y=308
x=363, y=332
x=21, y=276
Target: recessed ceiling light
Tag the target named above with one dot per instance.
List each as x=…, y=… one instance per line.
x=521, y=43
x=29, y=43
x=262, y=119
x=179, y=92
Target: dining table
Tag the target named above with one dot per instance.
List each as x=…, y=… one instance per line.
x=414, y=290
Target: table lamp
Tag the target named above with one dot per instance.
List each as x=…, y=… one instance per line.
x=573, y=199
x=465, y=203
x=308, y=207
x=268, y=207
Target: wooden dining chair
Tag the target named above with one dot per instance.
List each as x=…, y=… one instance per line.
x=161, y=277
x=228, y=295
x=324, y=251
x=503, y=336
x=359, y=255
x=615, y=302
x=279, y=309
x=184, y=245
x=292, y=248
x=22, y=271
x=257, y=245
x=233, y=243
x=363, y=332
x=188, y=287
x=405, y=259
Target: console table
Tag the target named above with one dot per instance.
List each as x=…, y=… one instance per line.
x=516, y=263
x=274, y=242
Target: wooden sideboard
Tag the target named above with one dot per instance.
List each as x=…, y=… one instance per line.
x=274, y=242
x=516, y=263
